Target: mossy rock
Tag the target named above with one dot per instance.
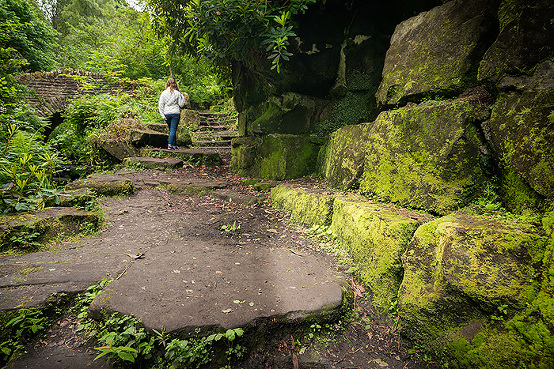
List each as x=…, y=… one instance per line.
x=525, y=39
x=437, y=52
x=275, y=157
x=118, y=149
x=23, y=230
x=290, y=113
x=425, y=157
x=524, y=339
x=375, y=236
x=305, y=207
x=79, y=197
x=342, y=158
x=458, y=271
x=522, y=135
x=106, y=185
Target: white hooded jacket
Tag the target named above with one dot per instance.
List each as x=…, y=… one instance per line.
x=171, y=103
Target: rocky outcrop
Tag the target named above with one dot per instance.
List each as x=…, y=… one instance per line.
x=522, y=135
x=275, y=156
x=305, y=207
x=425, y=156
x=465, y=273
x=437, y=52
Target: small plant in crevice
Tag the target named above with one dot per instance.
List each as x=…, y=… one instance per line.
x=25, y=239
x=502, y=313
x=231, y=227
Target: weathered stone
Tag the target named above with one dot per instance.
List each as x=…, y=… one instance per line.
x=425, y=156
x=153, y=163
x=275, y=156
x=343, y=156
x=194, y=157
x=459, y=269
x=522, y=135
x=140, y=138
x=525, y=339
x=79, y=197
x=542, y=79
x=107, y=185
x=375, y=236
x=22, y=230
x=437, y=52
x=290, y=113
x=305, y=207
x=118, y=149
x=524, y=41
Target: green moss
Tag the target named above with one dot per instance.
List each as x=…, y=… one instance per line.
x=375, y=237
x=460, y=269
x=275, y=157
x=424, y=157
x=305, y=208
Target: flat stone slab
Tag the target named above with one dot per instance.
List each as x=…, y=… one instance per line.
x=107, y=185
x=192, y=273
x=153, y=163
x=236, y=288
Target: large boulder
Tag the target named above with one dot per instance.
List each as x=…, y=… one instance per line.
x=522, y=136
x=525, y=39
x=275, y=156
x=425, y=156
x=342, y=159
x=465, y=273
x=376, y=236
x=437, y=52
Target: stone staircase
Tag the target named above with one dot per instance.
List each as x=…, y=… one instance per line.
x=215, y=131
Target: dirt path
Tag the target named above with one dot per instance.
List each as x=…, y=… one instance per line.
x=192, y=273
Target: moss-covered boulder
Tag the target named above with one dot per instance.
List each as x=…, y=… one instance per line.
x=342, y=158
x=25, y=231
x=275, y=156
x=425, y=156
x=522, y=135
x=107, y=185
x=289, y=113
x=437, y=52
x=306, y=207
x=525, y=39
x=376, y=237
x=462, y=275
x=118, y=149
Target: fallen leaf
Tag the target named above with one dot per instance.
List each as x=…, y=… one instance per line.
x=135, y=257
x=226, y=311
x=272, y=230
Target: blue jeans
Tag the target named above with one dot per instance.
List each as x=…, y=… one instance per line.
x=172, y=121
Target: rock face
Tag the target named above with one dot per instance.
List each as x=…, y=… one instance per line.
x=522, y=135
x=525, y=39
x=275, y=156
x=461, y=270
x=342, y=159
x=436, y=52
x=425, y=157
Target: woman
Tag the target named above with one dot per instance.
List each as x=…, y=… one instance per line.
x=170, y=105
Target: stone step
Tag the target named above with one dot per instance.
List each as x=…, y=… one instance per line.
x=213, y=143
x=227, y=135
x=153, y=163
x=198, y=157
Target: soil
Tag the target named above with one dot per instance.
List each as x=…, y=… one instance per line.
x=361, y=339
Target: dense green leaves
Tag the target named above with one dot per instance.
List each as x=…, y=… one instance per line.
x=229, y=29
x=25, y=38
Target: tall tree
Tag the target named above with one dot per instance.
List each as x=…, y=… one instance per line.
x=25, y=36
